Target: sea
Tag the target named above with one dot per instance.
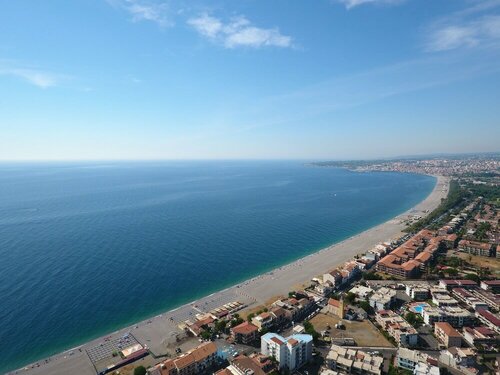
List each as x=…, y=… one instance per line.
x=90, y=247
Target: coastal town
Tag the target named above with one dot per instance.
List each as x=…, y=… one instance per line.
x=425, y=301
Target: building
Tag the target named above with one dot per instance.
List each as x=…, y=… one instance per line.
x=422, y=368
x=245, y=333
x=476, y=248
x=361, y=291
x=450, y=284
x=336, y=307
x=243, y=365
x=382, y=299
x=490, y=319
x=480, y=336
x=458, y=357
x=491, y=285
x=298, y=307
x=353, y=361
x=199, y=360
x=392, y=265
x=290, y=353
x=447, y=335
x=333, y=277
x=397, y=327
x=410, y=359
x=443, y=299
x=456, y=316
x=417, y=292
x=263, y=321
x=470, y=298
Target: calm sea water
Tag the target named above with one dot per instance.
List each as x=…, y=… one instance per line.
x=86, y=248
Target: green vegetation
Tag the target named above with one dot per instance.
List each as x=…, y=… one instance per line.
x=451, y=271
x=473, y=277
x=309, y=328
x=490, y=193
x=455, y=197
x=398, y=371
x=250, y=317
x=350, y=298
x=414, y=319
x=140, y=370
x=207, y=334
x=366, y=306
x=220, y=326
x=237, y=320
x=371, y=276
x=482, y=231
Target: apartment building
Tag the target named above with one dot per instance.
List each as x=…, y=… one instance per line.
x=353, y=361
x=447, y=335
x=291, y=353
x=397, y=327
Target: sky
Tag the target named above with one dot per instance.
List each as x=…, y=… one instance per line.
x=248, y=79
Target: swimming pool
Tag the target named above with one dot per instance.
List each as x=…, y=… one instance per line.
x=419, y=307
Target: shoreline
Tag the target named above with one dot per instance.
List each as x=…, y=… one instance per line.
x=160, y=330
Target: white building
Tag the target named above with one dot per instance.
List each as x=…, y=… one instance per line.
x=290, y=353
x=382, y=299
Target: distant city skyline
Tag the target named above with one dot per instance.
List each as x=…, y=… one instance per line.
x=175, y=79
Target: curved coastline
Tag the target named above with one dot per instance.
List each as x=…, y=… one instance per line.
x=254, y=291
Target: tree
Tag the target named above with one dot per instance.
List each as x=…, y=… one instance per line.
x=249, y=317
x=473, y=277
x=236, y=321
x=220, y=326
x=366, y=306
x=451, y=271
x=140, y=370
x=206, y=335
x=309, y=328
x=414, y=319
x=350, y=298
x=371, y=276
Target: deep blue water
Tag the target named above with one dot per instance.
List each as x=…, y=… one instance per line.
x=86, y=248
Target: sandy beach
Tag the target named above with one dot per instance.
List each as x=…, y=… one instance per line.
x=158, y=331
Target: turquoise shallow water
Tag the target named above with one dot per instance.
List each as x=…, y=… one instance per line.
x=86, y=248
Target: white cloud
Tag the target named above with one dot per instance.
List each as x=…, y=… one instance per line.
x=354, y=3
x=156, y=11
x=482, y=31
x=238, y=32
x=35, y=77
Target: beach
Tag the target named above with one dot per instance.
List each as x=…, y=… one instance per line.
x=163, y=329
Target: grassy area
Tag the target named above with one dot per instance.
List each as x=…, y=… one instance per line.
x=364, y=333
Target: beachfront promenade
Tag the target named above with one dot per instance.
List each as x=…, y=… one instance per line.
x=158, y=331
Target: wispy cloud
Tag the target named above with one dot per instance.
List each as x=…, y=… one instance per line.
x=33, y=76
x=475, y=26
x=354, y=3
x=238, y=32
x=144, y=10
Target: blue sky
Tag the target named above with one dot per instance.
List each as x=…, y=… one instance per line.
x=302, y=79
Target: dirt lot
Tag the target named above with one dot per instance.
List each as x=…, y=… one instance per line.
x=492, y=263
x=364, y=333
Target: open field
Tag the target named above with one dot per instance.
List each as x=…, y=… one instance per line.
x=364, y=333
x=493, y=264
